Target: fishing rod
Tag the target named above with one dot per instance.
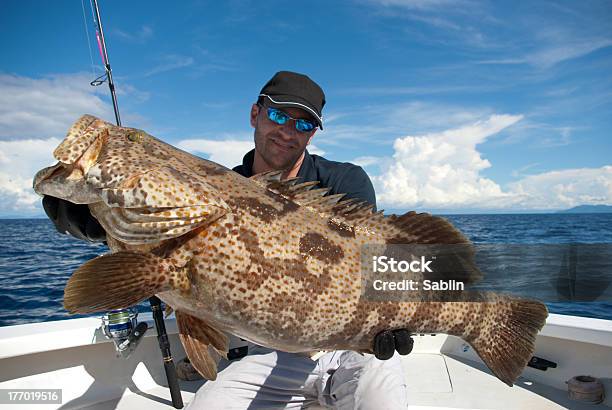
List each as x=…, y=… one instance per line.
x=105, y=61
x=121, y=319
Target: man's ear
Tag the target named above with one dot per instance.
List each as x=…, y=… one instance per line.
x=254, y=114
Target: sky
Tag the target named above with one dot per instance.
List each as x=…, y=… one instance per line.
x=449, y=105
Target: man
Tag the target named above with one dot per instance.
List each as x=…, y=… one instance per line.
x=285, y=118
x=283, y=147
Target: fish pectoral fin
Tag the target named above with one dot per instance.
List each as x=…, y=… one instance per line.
x=204, y=345
x=139, y=226
x=119, y=280
x=163, y=187
x=158, y=205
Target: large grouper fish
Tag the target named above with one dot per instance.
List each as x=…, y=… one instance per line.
x=275, y=262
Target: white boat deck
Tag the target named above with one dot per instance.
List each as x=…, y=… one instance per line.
x=441, y=372
x=435, y=381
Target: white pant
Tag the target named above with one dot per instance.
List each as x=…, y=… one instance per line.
x=272, y=379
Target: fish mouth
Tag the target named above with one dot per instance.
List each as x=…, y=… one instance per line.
x=38, y=185
x=65, y=182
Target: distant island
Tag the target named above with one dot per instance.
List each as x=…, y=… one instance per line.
x=588, y=209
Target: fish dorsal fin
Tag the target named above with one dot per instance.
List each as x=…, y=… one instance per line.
x=424, y=228
x=353, y=217
x=264, y=178
x=410, y=227
x=350, y=212
x=301, y=193
x=349, y=216
x=435, y=236
x=204, y=345
x=272, y=180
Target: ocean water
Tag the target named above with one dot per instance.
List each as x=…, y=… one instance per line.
x=36, y=261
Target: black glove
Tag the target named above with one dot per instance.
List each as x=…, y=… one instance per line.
x=388, y=341
x=73, y=219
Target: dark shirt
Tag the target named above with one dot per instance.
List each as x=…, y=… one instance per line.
x=340, y=177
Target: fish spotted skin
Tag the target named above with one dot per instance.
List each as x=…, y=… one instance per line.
x=271, y=261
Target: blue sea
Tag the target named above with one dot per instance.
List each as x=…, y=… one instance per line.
x=36, y=260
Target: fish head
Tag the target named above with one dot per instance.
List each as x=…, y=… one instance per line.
x=76, y=155
x=139, y=188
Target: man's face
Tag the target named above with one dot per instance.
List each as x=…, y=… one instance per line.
x=280, y=146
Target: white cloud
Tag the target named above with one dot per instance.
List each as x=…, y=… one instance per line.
x=443, y=170
x=46, y=107
x=313, y=149
x=430, y=117
x=423, y=4
x=129, y=91
x=228, y=152
x=565, y=50
x=135, y=36
x=366, y=161
x=412, y=117
x=403, y=90
x=564, y=188
x=548, y=55
x=520, y=172
x=35, y=114
x=503, y=61
x=169, y=63
x=19, y=161
x=542, y=37
x=339, y=134
x=225, y=152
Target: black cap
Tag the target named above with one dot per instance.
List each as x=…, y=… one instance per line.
x=293, y=90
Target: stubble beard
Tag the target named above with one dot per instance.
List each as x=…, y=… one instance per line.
x=267, y=154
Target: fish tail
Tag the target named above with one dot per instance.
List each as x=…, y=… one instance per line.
x=506, y=340
x=120, y=280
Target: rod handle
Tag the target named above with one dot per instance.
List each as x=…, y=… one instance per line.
x=175, y=390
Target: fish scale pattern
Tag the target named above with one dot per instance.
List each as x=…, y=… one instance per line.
x=276, y=262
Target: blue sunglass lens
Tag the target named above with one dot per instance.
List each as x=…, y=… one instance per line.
x=281, y=118
x=304, y=125
x=277, y=116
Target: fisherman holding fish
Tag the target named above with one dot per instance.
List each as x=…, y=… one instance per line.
x=269, y=260
x=285, y=117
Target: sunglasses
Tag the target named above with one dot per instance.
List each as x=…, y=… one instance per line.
x=280, y=117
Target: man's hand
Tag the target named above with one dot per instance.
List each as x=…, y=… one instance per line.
x=73, y=219
x=388, y=341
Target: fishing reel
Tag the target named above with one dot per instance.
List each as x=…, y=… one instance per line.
x=123, y=328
